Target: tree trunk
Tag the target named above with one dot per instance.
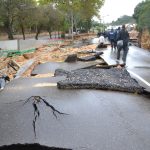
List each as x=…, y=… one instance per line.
x=8, y=28
x=50, y=34
x=22, y=30
x=55, y=34
x=10, y=35
x=140, y=37
x=37, y=33
x=75, y=24
x=58, y=33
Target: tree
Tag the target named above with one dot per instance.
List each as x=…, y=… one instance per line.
x=7, y=14
x=142, y=15
x=50, y=15
x=24, y=15
x=41, y=19
x=77, y=10
x=48, y=18
x=25, y=10
x=55, y=19
x=15, y=13
x=124, y=20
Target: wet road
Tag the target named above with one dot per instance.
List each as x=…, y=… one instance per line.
x=50, y=67
x=94, y=119
x=138, y=63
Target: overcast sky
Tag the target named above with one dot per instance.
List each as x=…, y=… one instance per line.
x=113, y=9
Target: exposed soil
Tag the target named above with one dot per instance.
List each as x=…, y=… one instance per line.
x=52, y=53
x=145, y=40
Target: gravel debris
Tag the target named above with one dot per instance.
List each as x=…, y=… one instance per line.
x=117, y=79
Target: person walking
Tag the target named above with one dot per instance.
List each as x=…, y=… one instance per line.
x=111, y=37
x=117, y=35
x=124, y=38
x=101, y=41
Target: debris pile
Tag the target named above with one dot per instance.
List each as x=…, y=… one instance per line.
x=145, y=40
x=133, y=34
x=10, y=66
x=49, y=53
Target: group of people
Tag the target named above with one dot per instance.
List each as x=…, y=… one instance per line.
x=119, y=41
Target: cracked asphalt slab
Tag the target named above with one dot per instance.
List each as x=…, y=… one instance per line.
x=97, y=119
x=106, y=79
x=52, y=66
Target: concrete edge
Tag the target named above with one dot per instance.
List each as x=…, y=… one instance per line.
x=24, y=68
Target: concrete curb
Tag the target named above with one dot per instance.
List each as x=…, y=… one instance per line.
x=24, y=68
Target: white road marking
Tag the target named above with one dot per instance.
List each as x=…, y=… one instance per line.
x=140, y=78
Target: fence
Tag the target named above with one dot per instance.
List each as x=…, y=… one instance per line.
x=23, y=46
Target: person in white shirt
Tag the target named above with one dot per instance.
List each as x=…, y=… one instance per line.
x=101, y=41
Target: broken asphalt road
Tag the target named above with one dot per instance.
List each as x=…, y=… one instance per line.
x=96, y=119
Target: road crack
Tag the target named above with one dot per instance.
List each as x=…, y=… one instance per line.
x=36, y=100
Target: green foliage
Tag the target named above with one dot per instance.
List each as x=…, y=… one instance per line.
x=51, y=15
x=80, y=10
x=1, y=23
x=14, y=13
x=142, y=15
x=123, y=20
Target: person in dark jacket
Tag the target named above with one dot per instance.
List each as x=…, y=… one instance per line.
x=124, y=36
x=111, y=37
x=117, y=33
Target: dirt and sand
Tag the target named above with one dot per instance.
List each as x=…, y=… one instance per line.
x=51, y=53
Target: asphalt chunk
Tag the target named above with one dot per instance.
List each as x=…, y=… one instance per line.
x=106, y=79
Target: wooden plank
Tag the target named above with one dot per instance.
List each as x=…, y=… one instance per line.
x=110, y=58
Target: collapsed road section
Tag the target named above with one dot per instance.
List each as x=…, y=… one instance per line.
x=29, y=147
x=105, y=79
